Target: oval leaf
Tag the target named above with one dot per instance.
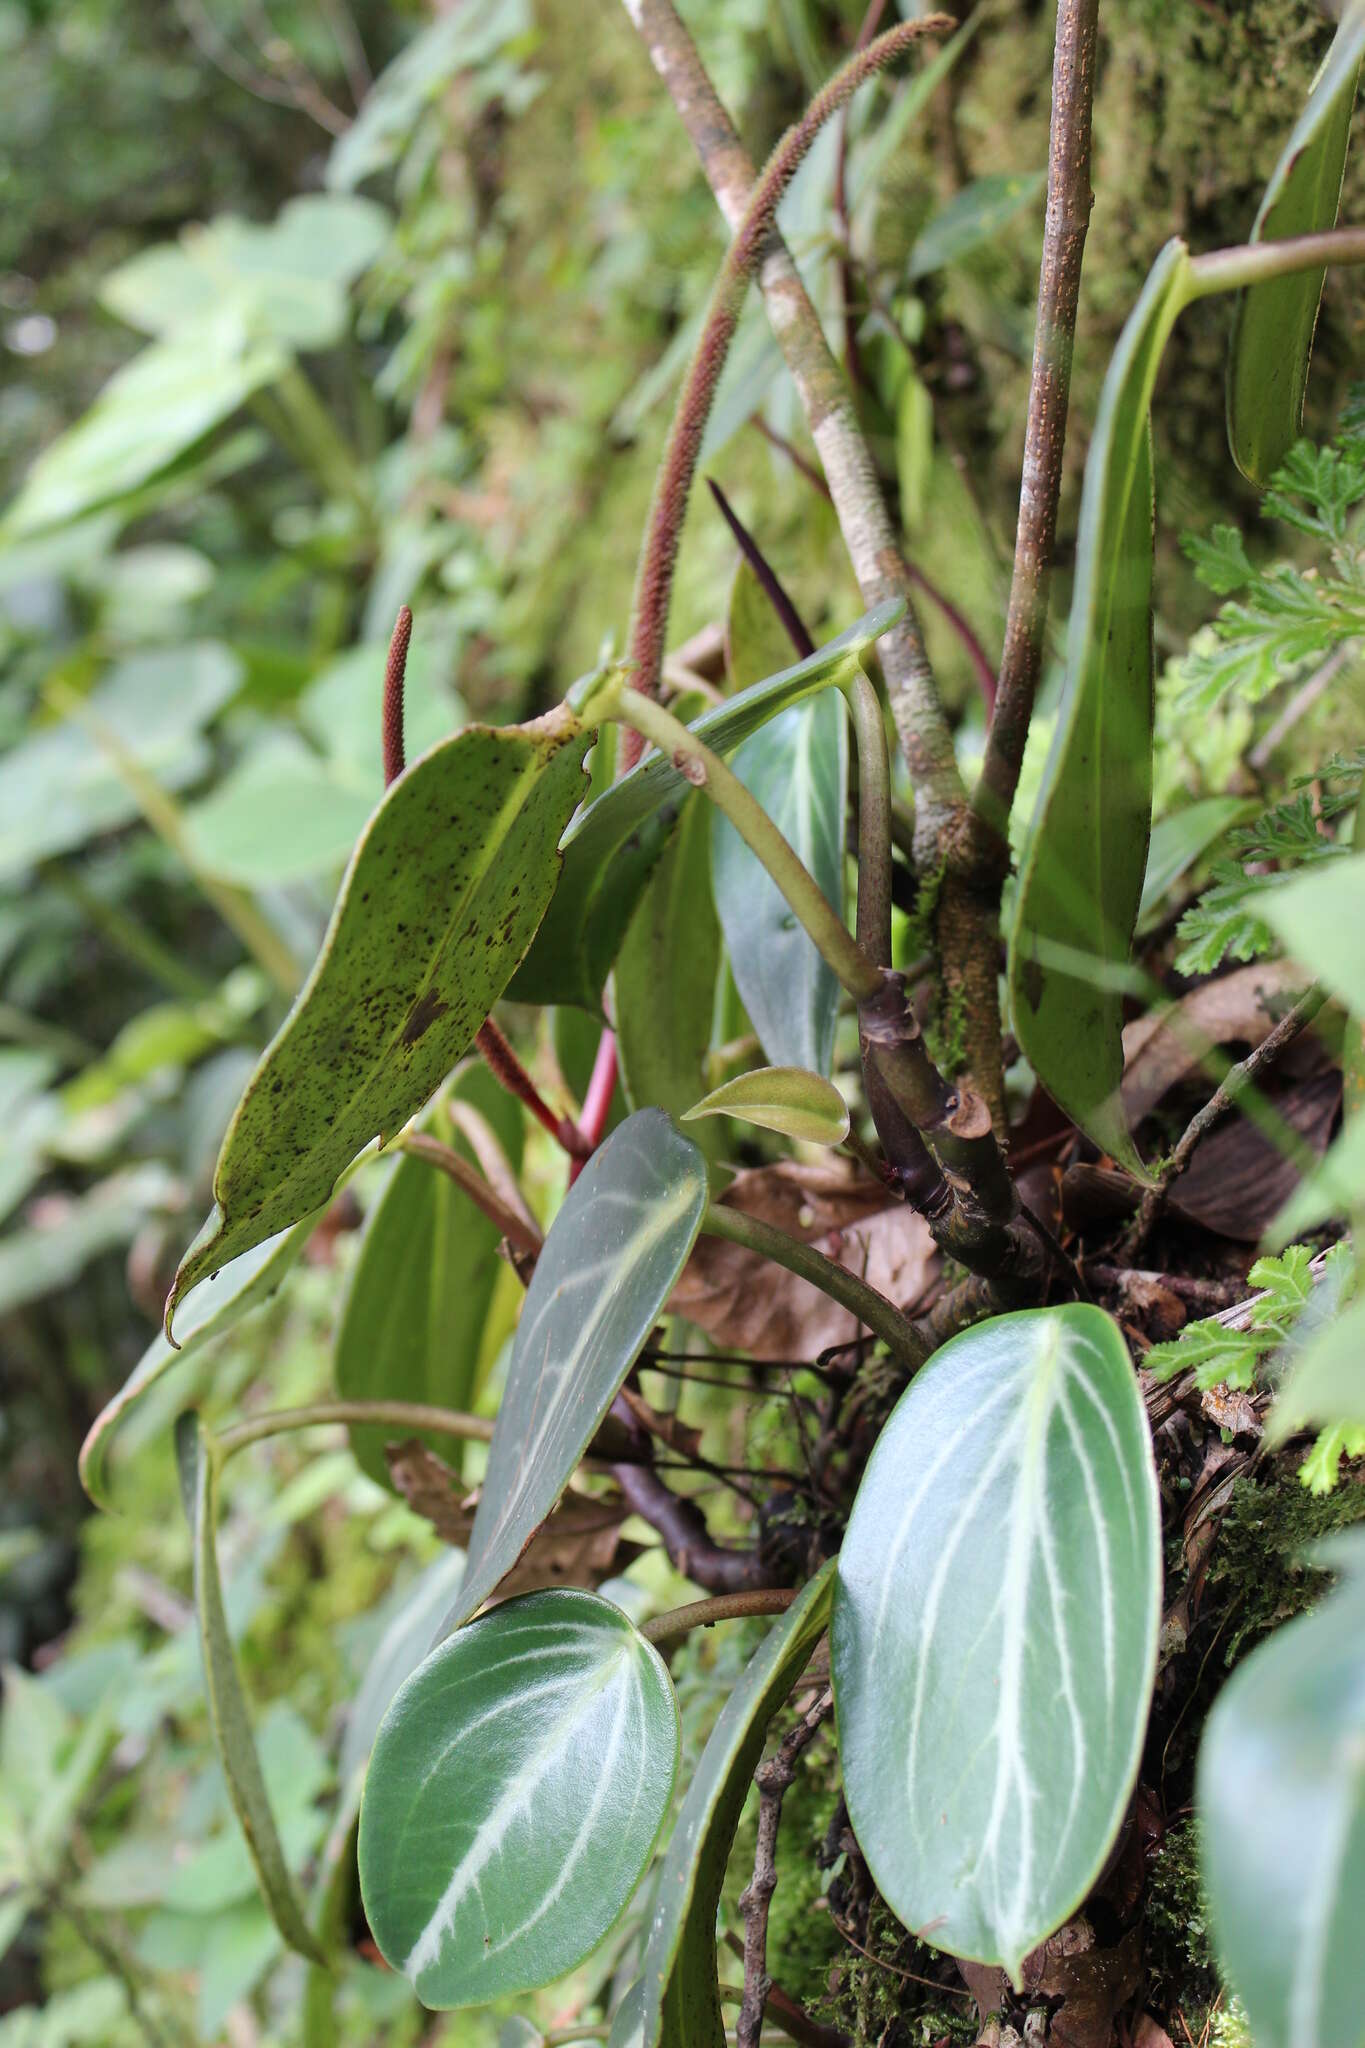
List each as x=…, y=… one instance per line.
x=1272, y=332
x=1281, y=1795
x=1080, y=884
x=797, y=768
x=791, y=1100
x=228, y=1716
x=516, y=1789
x=612, y=847
x=440, y=901
x=995, y=1630
x=678, y=1999
x=609, y=1264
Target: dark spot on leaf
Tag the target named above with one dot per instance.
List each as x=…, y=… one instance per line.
x=424, y=1012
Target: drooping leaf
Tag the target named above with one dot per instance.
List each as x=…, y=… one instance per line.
x=1319, y=918
x=440, y=901
x=1281, y=1796
x=995, y=1630
x=414, y=1325
x=228, y=1715
x=666, y=973
x=678, y=2003
x=1080, y=884
x=1179, y=840
x=517, y=1786
x=149, y=413
x=797, y=768
x=791, y=1100
x=609, y=1263
x=613, y=845
x=1272, y=334
x=240, y=1287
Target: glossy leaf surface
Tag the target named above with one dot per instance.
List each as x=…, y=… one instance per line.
x=612, y=847
x=413, y=1323
x=515, y=1792
x=995, y=1630
x=791, y=1100
x=608, y=1266
x=228, y=1715
x=441, y=899
x=1281, y=1796
x=797, y=768
x=1080, y=885
x=679, y=2003
x=666, y=973
x=1272, y=335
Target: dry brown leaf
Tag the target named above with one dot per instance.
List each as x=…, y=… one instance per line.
x=1148, y=2034
x=1166, y=1047
x=745, y=1303
x=1238, y=1178
x=578, y=1545
x=1093, y=1983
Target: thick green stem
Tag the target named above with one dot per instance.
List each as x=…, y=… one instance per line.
x=873, y=1310
x=828, y=933
x=874, y=820
x=1228, y=270
x=679, y=1621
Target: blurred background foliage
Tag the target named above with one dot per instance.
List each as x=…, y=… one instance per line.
x=307, y=311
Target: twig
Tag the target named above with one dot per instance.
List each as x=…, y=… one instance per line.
x=409, y=1415
x=510, y=1221
x=772, y=1778
x=1234, y=1083
x=869, y=534
x=1069, y=200
x=871, y=1309
x=686, y=1538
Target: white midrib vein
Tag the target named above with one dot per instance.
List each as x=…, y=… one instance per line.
x=491, y=1831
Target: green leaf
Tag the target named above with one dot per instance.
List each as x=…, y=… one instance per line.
x=228, y=1715
x=1319, y=918
x=440, y=901
x=1281, y=1798
x=678, y=2002
x=400, y=1650
x=972, y=216
x=148, y=414
x=59, y=789
x=797, y=767
x=1272, y=334
x=1080, y=885
x=791, y=1100
x=613, y=845
x=995, y=1630
x=516, y=1789
x=413, y=1326
x=914, y=452
x=609, y=1263
x=280, y=815
x=756, y=641
x=1327, y=1381
x=666, y=973
x=1183, y=838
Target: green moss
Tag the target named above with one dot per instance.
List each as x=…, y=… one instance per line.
x=1260, y=1575
x=1177, y=1949
x=901, y=1991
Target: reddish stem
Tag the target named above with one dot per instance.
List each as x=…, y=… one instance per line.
x=395, y=668
x=504, y=1065
x=597, y=1101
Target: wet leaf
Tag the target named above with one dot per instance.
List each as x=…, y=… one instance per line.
x=1080, y=884
x=228, y=1714
x=1281, y=1799
x=441, y=899
x=791, y=1100
x=609, y=1263
x=613, y=845
x=516, y=1789
x=998, y=1600
x=678, y=2003
x=1272, y=334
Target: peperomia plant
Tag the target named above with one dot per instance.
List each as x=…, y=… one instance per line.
x=985, y=1549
